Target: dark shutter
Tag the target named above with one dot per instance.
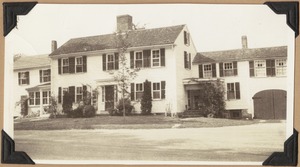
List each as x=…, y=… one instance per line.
x=228, y=90
x=190, y=61
x=237, y=91
x=116, y=61
x=132, y=59
x=185, y=37
x=221, y=69
x=41, y=76
x=72, y=93
x=84, y=91
x=162, y=57
x=214, y=72
x=59, y=66
x=49, y=70
x=147, y=58
x=235, y=69
x=163, y=89
x=104, y=62
x=84, y=63
x=270, y=64
x=59, y=94
x=132, y=91
x=251, y=68
x=71, y=65
x=200, y=71
x=27, y=77
x=19, y=74
x=185, y=59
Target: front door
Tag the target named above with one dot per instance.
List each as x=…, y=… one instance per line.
x=109, y=97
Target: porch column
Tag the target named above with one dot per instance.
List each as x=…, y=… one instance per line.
x=41, y=102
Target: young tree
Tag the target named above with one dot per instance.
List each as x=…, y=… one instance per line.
x=146, y=102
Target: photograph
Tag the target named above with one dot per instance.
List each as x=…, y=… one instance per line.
x=150, y=83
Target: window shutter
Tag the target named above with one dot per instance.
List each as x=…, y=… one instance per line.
x=251, y=68
x=49, y=70
x=228, y=90
x=132, y=92
x=162, y=57
x=19, y=74
x=185, y=37
x=235, y=69
x=237, y=91
x=72, y=93
x=147, y=58
x=190, y=61
x=116, y=61
x=59, y=66
x=185, y=59
x=71, y=65
x=84, y=91
x=163, y=89
x=270, y=67
x=200, y=71
x=104, y=62
x=27, y=77
x=214, y=72
x=59, y=94
x=132, y=59
x=41, y=76
x=84, y=63
x=221, y=69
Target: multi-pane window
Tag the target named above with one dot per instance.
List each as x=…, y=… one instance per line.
x=45, y=97
x=79, y=64
x=228, y=69
x=110, y=62
x=37, y=98
x=23, y=78
x=45, y=75
x=280, y=67
x=138, y=59
x=260, y=68
x=65, y=65
x=139, y=91
x=233, y=91
x=155, y=58
x=207, y=71
x=79, y=94
x=31, y=98
x=156, y=90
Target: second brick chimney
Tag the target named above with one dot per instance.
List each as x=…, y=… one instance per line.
x=124, y=23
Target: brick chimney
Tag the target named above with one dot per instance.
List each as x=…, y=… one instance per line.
x=244, y=42
x=53, y=45
x=124, y=23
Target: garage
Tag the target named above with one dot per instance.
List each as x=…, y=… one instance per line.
x=270, y=104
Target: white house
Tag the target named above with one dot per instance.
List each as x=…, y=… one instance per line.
x=163, y=55
x=254, y=80
x=32, y=77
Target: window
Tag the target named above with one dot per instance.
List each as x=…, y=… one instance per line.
x=280, y=67
x=156, y=90
x=155, y=58
x=45, y=97
x=79, y=94
x=207, y=71
x=233, y=91
x=23, y=78
x=37, y=98
x=228, y=69
x=186, y=38
x=31, y=98
x=187, y=60
x=79, y=64
x=138, y=59
x=45, y=75
x=65, y=65
x=260, y=68
x=110, y=62
x=139, y=91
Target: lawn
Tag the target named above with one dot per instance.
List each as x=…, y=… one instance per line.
x=129, y=122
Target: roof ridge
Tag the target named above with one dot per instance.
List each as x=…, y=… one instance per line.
x=241, y=49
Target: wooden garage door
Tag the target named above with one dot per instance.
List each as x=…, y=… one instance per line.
x=270, y=104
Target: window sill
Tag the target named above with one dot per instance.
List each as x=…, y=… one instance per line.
x=72, y=73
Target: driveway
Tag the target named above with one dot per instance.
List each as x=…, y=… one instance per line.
x=235, y=143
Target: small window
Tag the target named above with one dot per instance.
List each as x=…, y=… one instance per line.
x=110, y=62
x=45, y=97
x=155, y=58
x=31, y=98
x=79, y=94
x=156, y=90
x=281, y=67
x=207, y=71
x=37, y=98
x=138, y=59
x=233, y=91
x=139, y=91
x=23, y=78
x=260, y=68
x=79, y=64
x=65, y=65
x=45, y=75
x=228, y=69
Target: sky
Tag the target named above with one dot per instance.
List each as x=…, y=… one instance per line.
x=212, y=27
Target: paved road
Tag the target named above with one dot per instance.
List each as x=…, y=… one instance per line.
x=240, y=143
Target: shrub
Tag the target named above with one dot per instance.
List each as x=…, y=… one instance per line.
x=24, y=107
x=113, y=112
x=146, y=102
x=89, y=111
x=127, y=104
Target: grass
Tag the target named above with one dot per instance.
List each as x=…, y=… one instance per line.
x=129, y=122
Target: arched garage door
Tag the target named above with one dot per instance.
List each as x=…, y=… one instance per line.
x=270, y=104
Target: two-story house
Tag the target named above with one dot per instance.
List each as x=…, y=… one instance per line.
x=163, y=56
x=254, y=80
x=32, y=78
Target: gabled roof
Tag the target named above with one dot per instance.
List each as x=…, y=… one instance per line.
x=38, y=87
x=25, y=62
x=136, y=38
x=241, y=54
